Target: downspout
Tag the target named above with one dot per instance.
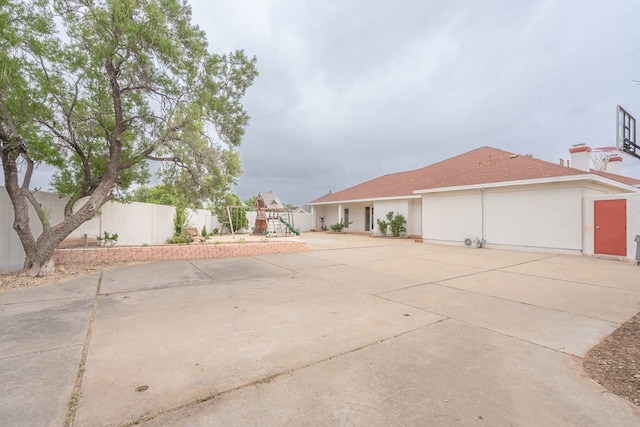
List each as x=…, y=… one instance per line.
x=482, y=214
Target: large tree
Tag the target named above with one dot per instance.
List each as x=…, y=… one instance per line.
x=98, y=88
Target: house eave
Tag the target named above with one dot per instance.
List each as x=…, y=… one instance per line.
x=569, y=178
x=373, y=199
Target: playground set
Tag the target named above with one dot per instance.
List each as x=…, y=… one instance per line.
x=273, y=219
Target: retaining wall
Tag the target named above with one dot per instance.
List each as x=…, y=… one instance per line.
x=174, y=252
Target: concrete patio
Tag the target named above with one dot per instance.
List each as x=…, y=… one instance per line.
x=361, y=331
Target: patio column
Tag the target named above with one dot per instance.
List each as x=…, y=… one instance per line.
x=340, y=212
x=313, y=218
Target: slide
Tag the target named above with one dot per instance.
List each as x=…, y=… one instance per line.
x=293, y=230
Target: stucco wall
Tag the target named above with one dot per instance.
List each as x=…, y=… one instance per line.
x=536, y=217
x=541, y=218
x=11, y=253
x=452, y=217
x=135, y=223
x=411, y=209
x=328, y=212
x=414, y=220
x=402, y=207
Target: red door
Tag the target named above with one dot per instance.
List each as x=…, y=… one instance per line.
x=610, y=234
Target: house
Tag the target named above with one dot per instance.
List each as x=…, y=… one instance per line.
x=488, y=195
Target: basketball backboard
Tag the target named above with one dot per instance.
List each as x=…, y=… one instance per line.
x=626, y=133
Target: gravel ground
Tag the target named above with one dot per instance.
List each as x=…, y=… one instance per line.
x=17, y=280
x=615, y=362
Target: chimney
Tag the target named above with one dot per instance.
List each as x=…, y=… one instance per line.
x=581, y=157
x=614, y=165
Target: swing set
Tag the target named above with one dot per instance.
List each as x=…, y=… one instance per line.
x=272, y=218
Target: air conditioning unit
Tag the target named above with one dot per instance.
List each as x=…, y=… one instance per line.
x=474, y=242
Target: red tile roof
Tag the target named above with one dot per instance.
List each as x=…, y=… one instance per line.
x=483, y=165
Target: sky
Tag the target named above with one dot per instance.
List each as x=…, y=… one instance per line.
x=351, y=90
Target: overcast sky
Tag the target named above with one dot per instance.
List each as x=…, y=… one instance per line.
x=351, y=90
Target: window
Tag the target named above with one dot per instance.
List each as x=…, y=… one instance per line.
x=346, y=217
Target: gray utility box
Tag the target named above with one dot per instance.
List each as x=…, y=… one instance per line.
x=638, y=249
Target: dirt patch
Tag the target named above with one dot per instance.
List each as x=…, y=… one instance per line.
x=17, y=280
x=615, y=362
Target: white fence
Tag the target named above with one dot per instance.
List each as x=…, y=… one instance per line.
x=135, y=223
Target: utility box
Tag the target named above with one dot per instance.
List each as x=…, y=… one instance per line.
x=637, y=249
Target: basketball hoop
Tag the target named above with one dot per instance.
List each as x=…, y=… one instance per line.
x=600, y=157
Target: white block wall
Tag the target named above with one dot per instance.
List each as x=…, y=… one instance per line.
x=135, y=223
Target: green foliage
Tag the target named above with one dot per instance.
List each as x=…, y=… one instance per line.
x=339, y=226
x=97, y=89
x=239, y=218
x=215, y=231
x=383, y=226
x=162, y=194
x=203, y=232
x=185, y=238
x=397, y=224
x=181, y=222
x=250, y=201
x=107, y=239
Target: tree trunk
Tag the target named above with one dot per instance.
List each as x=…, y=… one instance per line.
x=38, y=259
x=39, y=253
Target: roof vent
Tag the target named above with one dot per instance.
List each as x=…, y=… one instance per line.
x=513, y=156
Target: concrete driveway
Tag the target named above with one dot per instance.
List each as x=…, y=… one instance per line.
x=359, y=332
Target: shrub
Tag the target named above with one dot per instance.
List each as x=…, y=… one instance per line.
x=397, y=224
x=203, y=233
x=181, y=225
x=183, y=238
x=383, y=226
x=107, y=239
x=215, y=231
x=339, y=226
x=181, y=221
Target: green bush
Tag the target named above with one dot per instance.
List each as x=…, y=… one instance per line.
x=397, y=224
x=183, y=238
x=181, y=221
x=107, y=239
x=339, y=226
x=383, y=226
x=203, y=233
x=181, y=225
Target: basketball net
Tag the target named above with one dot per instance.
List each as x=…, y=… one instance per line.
x=600, y=157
